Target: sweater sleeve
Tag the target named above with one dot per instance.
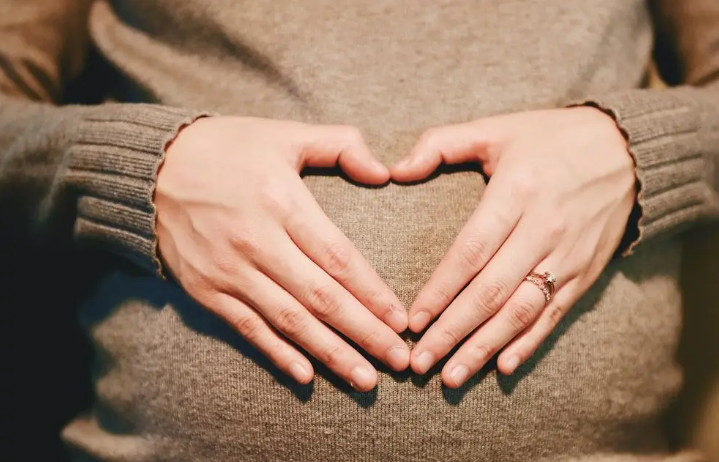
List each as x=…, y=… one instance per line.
x=673, y=133
x=82, y=173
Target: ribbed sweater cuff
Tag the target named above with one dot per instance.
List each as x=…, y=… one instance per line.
x=113, y=163
x=662, y=129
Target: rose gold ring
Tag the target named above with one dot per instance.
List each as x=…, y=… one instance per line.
x=545, y=282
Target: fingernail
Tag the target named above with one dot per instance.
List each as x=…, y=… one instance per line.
x=420, y=321
x=362, y=378
x=459, y=374
x=397, y=319
x=398, y=357
x=512, y=364
x=300, y=372
x=424, y=361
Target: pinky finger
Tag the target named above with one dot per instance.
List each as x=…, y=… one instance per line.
x=526, y=344
x=257, y=331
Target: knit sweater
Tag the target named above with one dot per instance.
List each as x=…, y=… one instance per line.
x=176, y=385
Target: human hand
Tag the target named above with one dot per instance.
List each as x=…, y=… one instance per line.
x=245, y=238
x=561, y=189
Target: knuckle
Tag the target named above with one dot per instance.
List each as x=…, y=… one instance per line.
x=522, y=314
x=556, y=313
x=273, y=200
x=248, y=327
x=224, y=262
x=290, y=322
x=524, y=183
x=243, y=243
x=369, y=340
x=491, y=296
x=481, y=353
x=556, y=228
x=378, y=300
x=332, y=356
x=322, y=301
x=503, y=218
x=337, y=257
x=276, y=351
x=442, y=295
x=449, y=336
x=200, y=284
x=474, y=253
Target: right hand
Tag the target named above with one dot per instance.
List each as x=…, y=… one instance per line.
x=245, y=238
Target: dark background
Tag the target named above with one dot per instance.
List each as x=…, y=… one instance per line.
x=45, y=358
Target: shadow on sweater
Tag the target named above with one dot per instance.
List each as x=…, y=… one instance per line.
x=160, y=294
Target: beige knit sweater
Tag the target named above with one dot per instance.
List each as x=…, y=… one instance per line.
x=174, y=384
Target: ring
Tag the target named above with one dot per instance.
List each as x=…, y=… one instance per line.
x=545, y=282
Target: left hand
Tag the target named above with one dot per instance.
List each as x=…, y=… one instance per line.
x=561, y=189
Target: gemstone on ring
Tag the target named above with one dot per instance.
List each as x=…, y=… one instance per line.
x=544, y=282
x=551, y=278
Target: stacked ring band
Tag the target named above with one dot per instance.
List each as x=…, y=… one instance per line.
x=545, y=282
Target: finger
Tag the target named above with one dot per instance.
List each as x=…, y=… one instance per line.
x=295, y=322
x=485, y=232
x=482, y=298
x=318, y=238
x=527, y=343
x=522, y=308
x=452, y=144
x=330, y=302
x=329, y=145
x=253, y=328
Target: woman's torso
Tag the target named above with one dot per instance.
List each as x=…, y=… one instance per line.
x=173, y=383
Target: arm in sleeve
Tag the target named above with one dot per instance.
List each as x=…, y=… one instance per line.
x=82, y=173
x=673, y=133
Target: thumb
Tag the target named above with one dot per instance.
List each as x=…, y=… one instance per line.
x=329, y=145
x=453, y=144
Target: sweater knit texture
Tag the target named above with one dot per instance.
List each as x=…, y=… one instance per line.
x=173, y=383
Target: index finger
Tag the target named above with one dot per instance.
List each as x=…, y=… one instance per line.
x=485, y=232
x=318, y=238
x=329, y=145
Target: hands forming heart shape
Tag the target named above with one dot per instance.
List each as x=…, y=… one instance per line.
x=242, y=234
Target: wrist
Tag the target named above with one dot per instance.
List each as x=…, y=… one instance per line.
x=612, y=130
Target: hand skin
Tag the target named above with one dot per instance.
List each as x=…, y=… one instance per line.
x=245, y=238
x=561, y=189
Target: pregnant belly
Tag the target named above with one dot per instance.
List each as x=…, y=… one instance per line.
x=175, y=384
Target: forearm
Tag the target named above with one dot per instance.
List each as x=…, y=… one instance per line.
x=673, y=133
x=673, y=136
x=84, y=172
